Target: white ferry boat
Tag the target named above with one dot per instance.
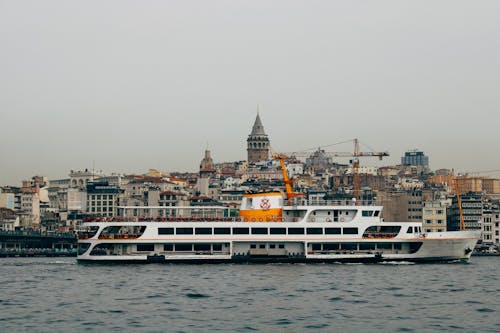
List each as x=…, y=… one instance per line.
x=266, y=230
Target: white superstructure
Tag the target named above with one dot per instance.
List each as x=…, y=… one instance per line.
x=336, y=231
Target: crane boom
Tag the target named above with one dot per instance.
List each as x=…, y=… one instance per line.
x=288, y=182
x=355, y=162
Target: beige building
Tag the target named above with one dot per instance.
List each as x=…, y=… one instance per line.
x=434, y=216
x=468, y=183
x=490, y=224
x=7, y=200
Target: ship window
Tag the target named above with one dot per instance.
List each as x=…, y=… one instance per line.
x=350, y=246
x=316, y=247
x=281, y=246
x=366, y=213
x=366, y=246
x=165, y=231
x=332, y=231
x=384, y=246
x=168, y=247
x=202, y=247
x=240, y=231
x=82, y=248
x=377, y=212
x=222, y=231
x=278, y=231
x=184, y=231
x=414, y=247
x=410, y=230
x=259, y=231
x=203, y=231
x=314, y=231
x=262, y=246
x=295, y=231
x=145, y=247
x=350, y=231
x=331, y=246
x=183, y=247
x=217, y=247
x=397, y=246
x=272, y=246
x=253, y=246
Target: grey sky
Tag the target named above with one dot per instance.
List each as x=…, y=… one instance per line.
x=146, y=84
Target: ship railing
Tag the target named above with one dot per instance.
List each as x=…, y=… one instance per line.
x=314, y=202
x=198, y=219
x=167, y=219
x=380, y=235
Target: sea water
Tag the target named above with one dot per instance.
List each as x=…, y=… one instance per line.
x=60, y=295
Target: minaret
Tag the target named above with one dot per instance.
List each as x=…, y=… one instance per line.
x=258, y=143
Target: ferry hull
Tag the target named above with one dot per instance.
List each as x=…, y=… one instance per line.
x=438, y=249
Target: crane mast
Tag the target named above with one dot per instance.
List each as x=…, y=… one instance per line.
x=288, y=182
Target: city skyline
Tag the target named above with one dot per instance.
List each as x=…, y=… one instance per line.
x=131, y=87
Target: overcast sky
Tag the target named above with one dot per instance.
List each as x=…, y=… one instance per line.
x=134, y=85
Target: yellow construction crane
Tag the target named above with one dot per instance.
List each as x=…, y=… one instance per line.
x=355, y=161
x=290, y=194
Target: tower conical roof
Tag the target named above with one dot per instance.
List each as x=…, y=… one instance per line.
x=258, y=128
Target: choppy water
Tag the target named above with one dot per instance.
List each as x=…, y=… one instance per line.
x=59, y=295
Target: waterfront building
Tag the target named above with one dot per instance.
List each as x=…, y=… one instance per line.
x=434, y=216
x=258, y=144
x=8, y=219
x=80, y=179
x=490, y=222
x=7, y=200
x=102, y=199
x=60, y=183
x=472, y=209
x=364, y=170
x=319, y=160
x=416, y=158
x=30, y=206
x=405, y=206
